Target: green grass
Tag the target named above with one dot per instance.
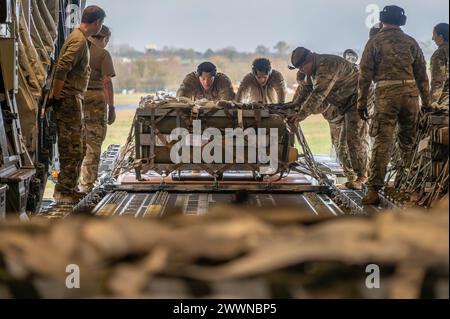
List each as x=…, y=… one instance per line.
x=317, y=133
x=129, y=99
x=118, y=132
x=49, y=188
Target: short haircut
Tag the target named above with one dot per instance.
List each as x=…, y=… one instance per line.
x=105, y=32
x=206, y=67
x=442, y=30
x=262, y=65
x=92, y=14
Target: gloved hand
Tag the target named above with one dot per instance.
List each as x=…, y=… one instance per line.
x=363, y=113
x=297, y=117
x=53, y=102
x=111, y=115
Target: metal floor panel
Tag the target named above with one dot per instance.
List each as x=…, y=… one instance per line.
x=196, y=194
x=160, y=204
x=353, y=201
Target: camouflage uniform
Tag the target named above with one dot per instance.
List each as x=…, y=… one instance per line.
x=395, y=62
x=439, y=77
x=72, y=68
x=338, y=139
x=191, y=88
x=336, y=123
x=335, y=82
x=273, y=92
x=95, y=115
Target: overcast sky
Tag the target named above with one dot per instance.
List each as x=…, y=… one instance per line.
x=322, y=25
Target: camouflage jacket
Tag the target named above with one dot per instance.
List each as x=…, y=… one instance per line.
x=392, y=55
x=304, y=83
x=333, y=81
x=439, y=74
x=328, y=111
x=273, y=92
x=191, y=88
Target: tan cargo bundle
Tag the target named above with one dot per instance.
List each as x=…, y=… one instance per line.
x=155, y=121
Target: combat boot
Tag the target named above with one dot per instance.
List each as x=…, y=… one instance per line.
x=78, y=195
x=357, y=184
x=63, y=197
x=85, y=189
x=372, y=197
x=68, y=197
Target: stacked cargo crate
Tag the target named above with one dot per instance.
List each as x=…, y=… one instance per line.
x=426, y=179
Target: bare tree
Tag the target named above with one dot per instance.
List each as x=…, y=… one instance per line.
x=282, y=48
x=262, y=50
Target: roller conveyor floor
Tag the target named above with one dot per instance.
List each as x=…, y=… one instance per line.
x=196, y=193
x=162, y=203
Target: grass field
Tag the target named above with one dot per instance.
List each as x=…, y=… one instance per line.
x=129, y=99
x=315, y=128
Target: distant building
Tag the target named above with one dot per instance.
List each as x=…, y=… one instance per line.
x=151, y=48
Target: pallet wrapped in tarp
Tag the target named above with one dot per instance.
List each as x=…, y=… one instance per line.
x=155, y=122
x=231, y=252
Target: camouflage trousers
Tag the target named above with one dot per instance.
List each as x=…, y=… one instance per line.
x=444, y=102
x=71, y=142
x=341, y=149
x=354, y=165
x=95, y=118
x=393, y=113
x=356, y=133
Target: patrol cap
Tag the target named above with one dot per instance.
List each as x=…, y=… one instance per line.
x=393, y=15
x=298, y=57
x=350, y=52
